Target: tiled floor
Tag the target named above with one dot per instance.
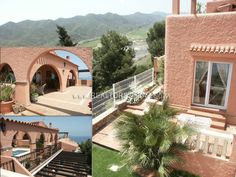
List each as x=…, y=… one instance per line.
x=107, y=137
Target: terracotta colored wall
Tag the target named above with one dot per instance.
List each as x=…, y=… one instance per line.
x=18, y=167
x=206, y=166
x=68, y=147
x=181, y=32
x=33, y=131
x=88, y=82
x=25, y=62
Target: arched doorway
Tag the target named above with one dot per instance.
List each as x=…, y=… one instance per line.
x=26, y=140
x=40, y=141
x=46, y=79
x=56, y=138
x=51, y=138
x=6, y=74
x=71, y=79
x=14, y=140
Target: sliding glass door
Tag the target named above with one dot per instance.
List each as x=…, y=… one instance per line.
x=212, y=83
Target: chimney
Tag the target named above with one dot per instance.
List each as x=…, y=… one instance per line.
x=68, y=57
x=193, y=6
x=175, y=7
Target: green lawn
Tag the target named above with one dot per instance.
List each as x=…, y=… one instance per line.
x=138, y=34
x=103, y=159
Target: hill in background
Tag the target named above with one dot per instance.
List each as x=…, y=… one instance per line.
x=81, y=28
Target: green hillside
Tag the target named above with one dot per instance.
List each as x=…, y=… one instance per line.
x=81, y=28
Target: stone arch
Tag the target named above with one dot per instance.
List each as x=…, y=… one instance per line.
x=26, y=136
x=26, y=140
x=44, y=73
x=6, y=73
x=51, y=138
x=72, y=78
x=55, y=138
x=72, y=50
x=14, y=139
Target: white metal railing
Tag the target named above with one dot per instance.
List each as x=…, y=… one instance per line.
x=120, y=90
x=211, y=142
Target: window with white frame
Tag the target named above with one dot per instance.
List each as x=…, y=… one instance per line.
x=212, y=84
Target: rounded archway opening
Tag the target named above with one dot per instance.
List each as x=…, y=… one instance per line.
x=56, y=138
x=71, y=79
x=51, y=138
x=26, y=140
x=14, y=140
x=46, y=80
x=6, y=74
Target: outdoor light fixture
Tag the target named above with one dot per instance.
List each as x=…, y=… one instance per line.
x=64, y=64
x=63, y=71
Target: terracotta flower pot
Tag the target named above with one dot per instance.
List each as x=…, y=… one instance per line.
x=144, y=172
x=6, y=107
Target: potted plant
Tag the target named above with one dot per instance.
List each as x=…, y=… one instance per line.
x=6, y=100
x=33, y=93
x=150, y=142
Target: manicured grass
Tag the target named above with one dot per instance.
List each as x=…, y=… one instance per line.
x=138, y=34
x=103, y=159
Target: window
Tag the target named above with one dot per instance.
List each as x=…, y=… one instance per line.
x=212, y=83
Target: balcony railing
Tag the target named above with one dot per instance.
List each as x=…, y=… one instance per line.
x=217, y=144
x=33, y=159
x=9, y=165
x=120, y=90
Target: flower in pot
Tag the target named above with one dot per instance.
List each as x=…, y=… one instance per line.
x=33, y=93
x=6, y=100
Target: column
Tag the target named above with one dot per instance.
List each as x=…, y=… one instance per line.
x=193, y=6
x=22, y=93
x=232, y=157
x=175, y=7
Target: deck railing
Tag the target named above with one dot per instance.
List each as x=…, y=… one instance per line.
x=120, y=90
x=34, y=158
x=211, y=142
x=9, y=165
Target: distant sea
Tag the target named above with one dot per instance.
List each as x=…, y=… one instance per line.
x=85, y=76
x=79, y=139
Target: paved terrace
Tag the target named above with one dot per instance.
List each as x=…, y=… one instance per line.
x=74, y=101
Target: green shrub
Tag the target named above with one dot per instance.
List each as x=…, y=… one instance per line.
x=6, y=92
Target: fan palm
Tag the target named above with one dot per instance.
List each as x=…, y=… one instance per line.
x=152, y=141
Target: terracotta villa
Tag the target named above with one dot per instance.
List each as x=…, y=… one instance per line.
x=27, y=147
x=44, y=67
x=200, y=73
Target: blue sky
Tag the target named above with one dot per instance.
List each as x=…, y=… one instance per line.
x=76, y=126
x=19, y=10
x=75, y=59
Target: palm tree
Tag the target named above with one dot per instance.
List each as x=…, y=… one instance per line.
x=152, y=141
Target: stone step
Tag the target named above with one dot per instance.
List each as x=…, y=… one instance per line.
x=218, y=125
x=213, y=116
x=137, y=112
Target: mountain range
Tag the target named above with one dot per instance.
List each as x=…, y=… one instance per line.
x=43, y=32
